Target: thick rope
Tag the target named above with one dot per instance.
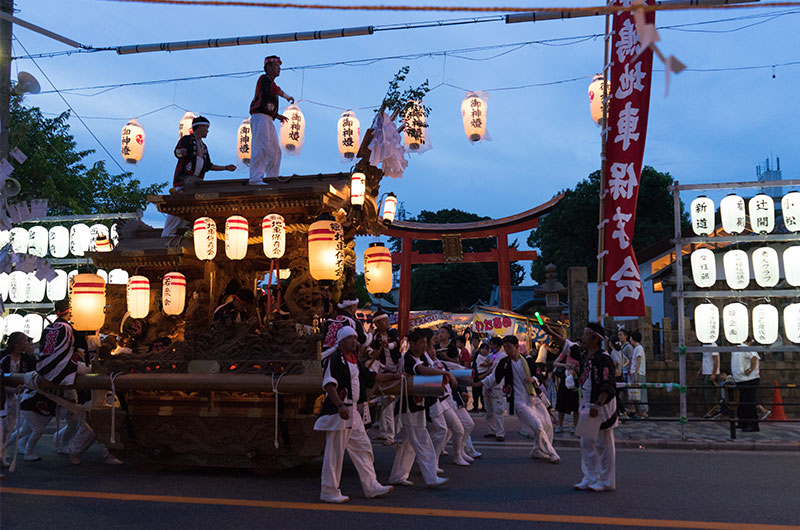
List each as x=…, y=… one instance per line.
x=113, y=405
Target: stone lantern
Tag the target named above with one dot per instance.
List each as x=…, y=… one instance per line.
x=551, y=289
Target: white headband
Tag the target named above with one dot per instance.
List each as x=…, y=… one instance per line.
x=380, y=317
x=346, y=303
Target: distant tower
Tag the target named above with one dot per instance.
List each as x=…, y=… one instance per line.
x=765, y=173
x=401, y=211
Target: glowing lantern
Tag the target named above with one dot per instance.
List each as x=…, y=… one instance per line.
x=236, y=232
x=791, y=322
x=596, y=89
x=3, y=286
x=348, y=134
x=737, y=270
x=791, y=266
x=706, y=323
x=18, y=287
x=790, y=208
x=185, y=125
x=138, y=296
x=765, y=323
x=132, y=142
x=283, y=274
x=414, y=131
x=14, y=323
x=325, y=250
x=36, y=288
x=704, y=268
x=19, y=240
x=96, y=232
x=37, y=241
x=173, y=293
x=80, y=237
x=389, y=208
x=205, y=238
x=762, y=213
x=87, y=302
x=474, y=115
x=244, y=141
x=731, y=210
x=59, y=241
x=273, y=229
x=735, y=322
x=118, y=277
x=57, y=287
x=32, y=326
x=378, y=269
x=293, y=130
x=358, y=188
x=765, y=267
x=702, y=212
x=71, y=274
x=102, y=244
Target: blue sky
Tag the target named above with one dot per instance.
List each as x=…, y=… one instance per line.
x=713, y=126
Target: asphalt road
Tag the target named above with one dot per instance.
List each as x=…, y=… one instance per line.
x=655, y=488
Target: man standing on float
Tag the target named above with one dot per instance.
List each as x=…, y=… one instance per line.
x=265, y=161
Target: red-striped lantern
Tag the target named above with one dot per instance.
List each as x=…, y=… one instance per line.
x=378, y=268
x=205, y=238
x=87, y=302
x=138, y=295
x=236, y=233
x=325, y=250
x=173, y=293
x=273, y=229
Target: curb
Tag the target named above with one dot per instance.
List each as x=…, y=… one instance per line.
x=694, y=445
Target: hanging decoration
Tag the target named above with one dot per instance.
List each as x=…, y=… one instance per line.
x=762, y=214
x=474, y=115
x=118, y=277
x=415, y=130
x=293, y=130
x=735, y=322
x=596, y=89
x=102, y=243
x=244, y=141
x=791, y=265
x=274, y=235
x=386, y=148
x=87, y=302
x=3, y=288
x=185, y=125
x=378, y=268
x=732, y=212
x=791, y=322
x=765, y=323
x=18, y=287
x=36, y=288
x=37, y=241
x=138, y=296
x=19, y=240
x=348, y=135
x=32, y=326
x=765, y=266
x=237, y=230
x=737, y=270
x=704, y=268
x=59, y=241
x=132, y=142
x=706, y=323
x=114, y=235
x=790, y=209
x=79, y=239
x=57, y=287
x=702, y=213
x=14, y=323
x=173, y=293
x=103, y=274
x=389, y=208
x=95, y=232
x=358, y=188
x=325, y=250
x=205, y=238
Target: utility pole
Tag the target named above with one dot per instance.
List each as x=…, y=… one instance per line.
x=6, y=6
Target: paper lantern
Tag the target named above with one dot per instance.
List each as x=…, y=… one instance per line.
x=173, y=293
x=80, y=237
x=2, y=329
x=205, y=238
x=3, y=286
x=57, y=287
x=791, y=265
x=59, y=241
x=735, y=322
x=114, y=235
x=36, y=288
x=138, y=296
x=132, y=142
x=596, y=89
x=704, y=268
x=49, y=319
x=99, y=232
x=5, y=238
x=244, y=141
x=273, y=229
x=185, y=125
x=765, y=323
x=236, y=233
x=87, y=302
x=731, y=210
x=414, y=131
x=389, y=208
x=293, y=130
x=702, y=214
x=790, y=209
x=103, y=274
x=473, y=114
x=737, y=270
x=762, y=213
x=37, y=241
x=102, y=244
x=325, y=250
x=283, y=274
x=19, y=240
x=18, y=287
x=32, y=326
x=118, y=277
x=348, y=134
x=14, y=323
x=791, y=322
x=765, y=267
x=706, y=323
x=378, y=269
x=358, y=188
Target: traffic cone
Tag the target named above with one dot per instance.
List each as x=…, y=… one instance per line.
x=777, y=404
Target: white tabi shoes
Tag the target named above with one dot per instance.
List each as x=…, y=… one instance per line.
x=440, y=481
x=384, y=490
x=336, y=499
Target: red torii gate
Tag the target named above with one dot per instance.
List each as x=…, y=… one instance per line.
x=407, y=232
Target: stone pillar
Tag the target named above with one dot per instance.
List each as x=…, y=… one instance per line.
x=670, y=339
x=578, y=293
x=645, y=327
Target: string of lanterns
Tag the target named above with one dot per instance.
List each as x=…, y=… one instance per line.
x=60, y=241
x=20, y=287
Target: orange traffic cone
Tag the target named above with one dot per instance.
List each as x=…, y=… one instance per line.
x=777, y=404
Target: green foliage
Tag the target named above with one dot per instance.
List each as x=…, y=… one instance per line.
x=398, y=103
x=55, y=169
x=361, y=291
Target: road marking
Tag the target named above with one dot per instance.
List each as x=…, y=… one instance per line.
x=389, y=510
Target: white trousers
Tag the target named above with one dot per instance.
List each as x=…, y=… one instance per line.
x=265, y=157
x=598, y=459
x=10, y=421
x=387, y=427
x=417, y=446
x=531, y=418
x=467, y=423
x=445, y=422
x=33, y=426
x=494, y=403
x=356, y=442
x=546, y=419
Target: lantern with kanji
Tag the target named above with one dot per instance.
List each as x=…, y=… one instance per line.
x=273, y=229
x=87, y=302
x=765, y=266
x=702, y=214
x=704, y=267
x=244, y=141
x=185, y=125
x=790, y=208
x=13, y=323
x=236, y=233
x=173, y=293
x=735, y=322
x=205, y=238
x=473, y=115
x=80, y=237
x=389, y=208
x=706, y=323
x=596, y=89
x=293, y=130
x=37, y=241
x=358, y=188
x=762, y=213
x=765, y=323
x=118, y=277
x=414, y=127
x=32, y=326
x=57, y=287
x=59, y=241
x=791, y=265
x=348, y=134
x=36, y=288
x=325, y=250
x=138, y=296
x=732, y=213
x=132, y=142
x=737, y=269
x=18, y=287
x=791, y=322
x=378, y=269
x=19, y=240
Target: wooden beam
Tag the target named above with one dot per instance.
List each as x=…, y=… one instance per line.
x=469, y=257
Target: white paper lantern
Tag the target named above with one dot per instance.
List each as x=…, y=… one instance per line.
x=791, y=322
x=5, y=238
x=378, y=269
x=706, y=323
x=49, y=319
x=138, y=296
x=791, y=265
x=765, y=323
x=358, y=188
x=765, y=267
x=237, y=230
x=71, y=274
x=704, y=268
x=389, y=208
x=14, y=323
x=185, y=125
x=205, y=238
x=19, y=240
x=702, y=214
x=596, y=98
x=735, y=322
x=284, y=274
x=103, y=274
x=37, y=241
x=18, y=287
x=414, y=132
x=348, y=134
x=57, y=287
x=474, y=115
x=790, y=209
x=293, y=130
x=32, y=326
x=4, y=286
x=114, y=235
x=762, y=213
x=132, y=142
x=87, y=302
x=2, y=329
x=325, y=250
x=732, y=212
x=36, y=288
x=80, y=237
x=244, y=141
x=173, y=293
x=59, y=241
x=737, y=270
x=273, y=228
x=98, y=239
x=118, y=277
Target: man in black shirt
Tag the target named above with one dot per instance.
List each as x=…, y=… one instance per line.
x=266, y=153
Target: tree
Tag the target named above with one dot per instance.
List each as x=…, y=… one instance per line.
x=55, y=169
x=567, y=236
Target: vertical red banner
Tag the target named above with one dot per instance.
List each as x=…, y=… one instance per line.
x=629, y=102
